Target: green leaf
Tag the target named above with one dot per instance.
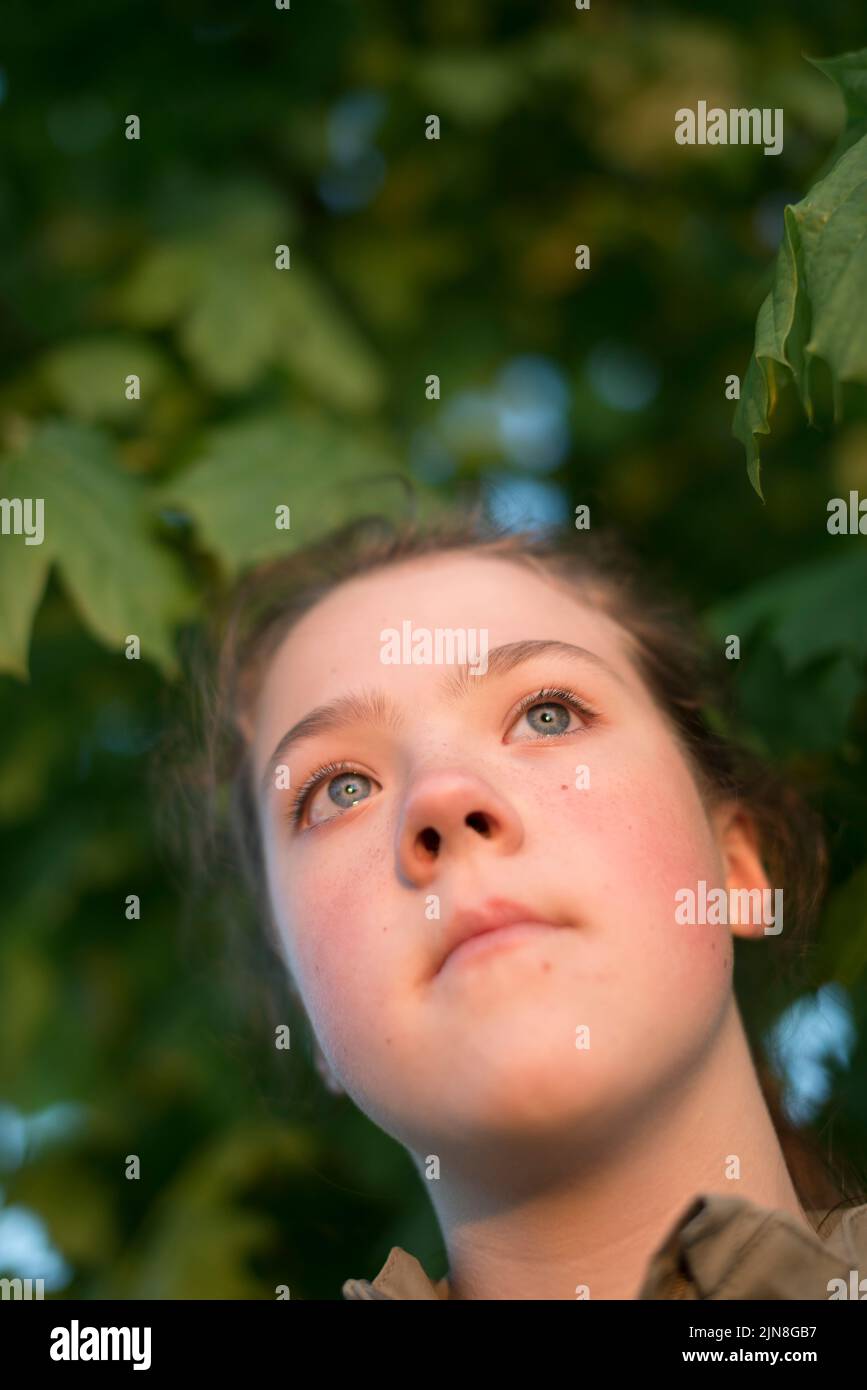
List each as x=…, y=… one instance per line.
x=161, y=287
x=781, y=705
x=96, y=530
x=760, y=389
x=815, y=308
x=833, y=228
x=813, y=610
x=230, y=332
x=23, y=572
x=202, y=1237
x=842, y=940
x=236, y=314
x=87, y=378
x=323, y=473
x=70, y=1197
x=849, y=72
x=473, y=87
x=225, y=208
x=319, y=344
x=26, y=766
x=29, y=991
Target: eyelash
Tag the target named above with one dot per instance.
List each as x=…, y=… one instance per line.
x=549, y=695
x=559, y=695
x=299, y=800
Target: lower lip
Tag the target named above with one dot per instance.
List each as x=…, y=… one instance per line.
x=515, y=935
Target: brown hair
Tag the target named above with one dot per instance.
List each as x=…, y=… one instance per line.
x=680, y=667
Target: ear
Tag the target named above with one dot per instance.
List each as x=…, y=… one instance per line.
x=246, y=726
x=738, y=841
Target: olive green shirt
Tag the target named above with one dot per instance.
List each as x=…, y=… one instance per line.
x=720, y=1247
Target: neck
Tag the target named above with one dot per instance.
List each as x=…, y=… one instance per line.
x=597, y=1214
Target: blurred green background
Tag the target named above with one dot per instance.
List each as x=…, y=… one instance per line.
x=408, y=257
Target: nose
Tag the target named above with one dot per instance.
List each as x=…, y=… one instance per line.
x=450, y=815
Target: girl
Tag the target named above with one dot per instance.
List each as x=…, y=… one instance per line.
x=472, y=870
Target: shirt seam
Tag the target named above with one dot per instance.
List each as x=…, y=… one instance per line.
x=386, y=1269
x=758, y=1236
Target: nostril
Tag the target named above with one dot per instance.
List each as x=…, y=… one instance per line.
x=477, y=820
x=430, y=839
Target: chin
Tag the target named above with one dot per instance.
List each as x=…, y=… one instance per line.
x=519, y=1089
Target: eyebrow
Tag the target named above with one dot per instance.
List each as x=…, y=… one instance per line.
x=378, y=708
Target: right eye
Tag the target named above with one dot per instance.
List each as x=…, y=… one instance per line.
x=323, y=797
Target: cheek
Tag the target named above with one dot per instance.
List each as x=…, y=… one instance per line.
x=644, y=837
x=328, y=921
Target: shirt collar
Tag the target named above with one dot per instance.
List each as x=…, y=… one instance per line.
x=719, y=1247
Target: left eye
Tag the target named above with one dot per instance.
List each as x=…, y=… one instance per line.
x=550, y=718
x=550, y=714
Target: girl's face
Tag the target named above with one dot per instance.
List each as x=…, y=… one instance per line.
x=460, y=794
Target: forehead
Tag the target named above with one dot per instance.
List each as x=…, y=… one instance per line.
x=336, y=646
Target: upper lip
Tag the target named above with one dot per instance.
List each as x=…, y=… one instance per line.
x=491, y=915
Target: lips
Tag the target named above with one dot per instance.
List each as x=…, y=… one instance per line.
x=491, y=916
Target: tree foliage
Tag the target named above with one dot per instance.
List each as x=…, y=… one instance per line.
x=306, y=387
